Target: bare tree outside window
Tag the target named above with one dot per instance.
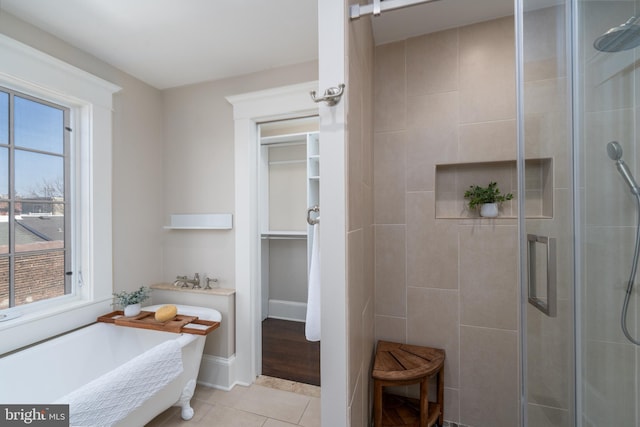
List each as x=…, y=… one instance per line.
x=47, y=188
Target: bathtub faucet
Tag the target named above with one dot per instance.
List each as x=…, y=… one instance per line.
x=195, y=281
x=186, y=281
x=208, y=281
x=180, y=279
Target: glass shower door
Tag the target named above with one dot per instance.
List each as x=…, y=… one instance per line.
x=578, y=156
x=546, y=221
x=607, y=112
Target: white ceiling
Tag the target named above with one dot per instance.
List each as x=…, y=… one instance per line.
x=169, y=43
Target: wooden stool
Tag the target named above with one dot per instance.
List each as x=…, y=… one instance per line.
x=402, y=364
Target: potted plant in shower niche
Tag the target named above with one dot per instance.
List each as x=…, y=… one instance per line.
x=487, y=198
x=130, y=301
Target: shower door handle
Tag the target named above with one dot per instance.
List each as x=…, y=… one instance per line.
x=545, y=303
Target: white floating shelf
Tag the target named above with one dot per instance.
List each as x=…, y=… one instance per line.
x=201, y=222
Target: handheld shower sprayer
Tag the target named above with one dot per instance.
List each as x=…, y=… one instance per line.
x=614, y=150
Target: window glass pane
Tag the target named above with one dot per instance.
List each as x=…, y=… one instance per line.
x=38, y=126
x=4, y=173
x=39, y=276
x=38, y=176
x=4, y=118
x=4, y=283
x=33, y=250
x=4, y=229
x=37, y=232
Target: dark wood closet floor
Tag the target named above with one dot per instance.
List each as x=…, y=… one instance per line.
x=287, y=354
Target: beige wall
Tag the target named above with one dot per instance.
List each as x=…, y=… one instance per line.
x=360, y=251
x=441, y=98
x=198, y=177
x=137, y=159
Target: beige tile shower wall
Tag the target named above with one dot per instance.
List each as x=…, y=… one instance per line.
x=444, y=98
x=360, y=265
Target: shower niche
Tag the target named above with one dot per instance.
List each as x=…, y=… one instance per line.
x=452, y=180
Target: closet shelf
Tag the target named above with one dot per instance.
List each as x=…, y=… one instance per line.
x=297, y=138
x=286, y=162
x=284, y=234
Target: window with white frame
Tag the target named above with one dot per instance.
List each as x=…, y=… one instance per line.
x=55, y=195
x=35, y=248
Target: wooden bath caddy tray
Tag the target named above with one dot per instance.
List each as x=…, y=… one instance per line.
x=146, y=320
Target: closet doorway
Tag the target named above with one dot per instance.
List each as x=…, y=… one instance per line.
x=288, y=192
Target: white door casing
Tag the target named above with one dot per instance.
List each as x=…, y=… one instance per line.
x=332, y=24
x=281, y=103
x=248, y=110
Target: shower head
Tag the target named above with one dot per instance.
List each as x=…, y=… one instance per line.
x=622, y=37
x=614, y=150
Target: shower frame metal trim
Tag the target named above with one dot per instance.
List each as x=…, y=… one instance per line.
x=379, y=6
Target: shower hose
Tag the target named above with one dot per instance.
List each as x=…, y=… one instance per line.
x=632, y=276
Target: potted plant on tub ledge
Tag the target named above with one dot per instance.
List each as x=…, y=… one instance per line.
x=487, y=198
x=131, y=301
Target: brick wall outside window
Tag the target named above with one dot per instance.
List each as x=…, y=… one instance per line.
x=38, y=277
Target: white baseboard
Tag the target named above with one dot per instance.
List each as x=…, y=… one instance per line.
x=217, y=372
x=287, y=310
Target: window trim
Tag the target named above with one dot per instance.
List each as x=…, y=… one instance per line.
x=90, y=99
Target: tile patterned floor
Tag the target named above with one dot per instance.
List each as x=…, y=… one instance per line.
x=267, y=403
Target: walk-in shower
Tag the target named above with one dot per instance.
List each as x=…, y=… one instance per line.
x=614, y=150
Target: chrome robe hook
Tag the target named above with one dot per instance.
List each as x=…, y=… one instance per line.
x=331, y=96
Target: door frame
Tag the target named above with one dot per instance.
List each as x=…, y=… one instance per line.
x=337, y=400
x=282, y=103
x=249, y=110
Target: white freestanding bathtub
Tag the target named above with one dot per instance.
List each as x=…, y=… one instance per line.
x=64, y=366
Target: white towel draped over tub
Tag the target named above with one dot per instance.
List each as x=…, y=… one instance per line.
x=111, y=397
x=312, y=325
